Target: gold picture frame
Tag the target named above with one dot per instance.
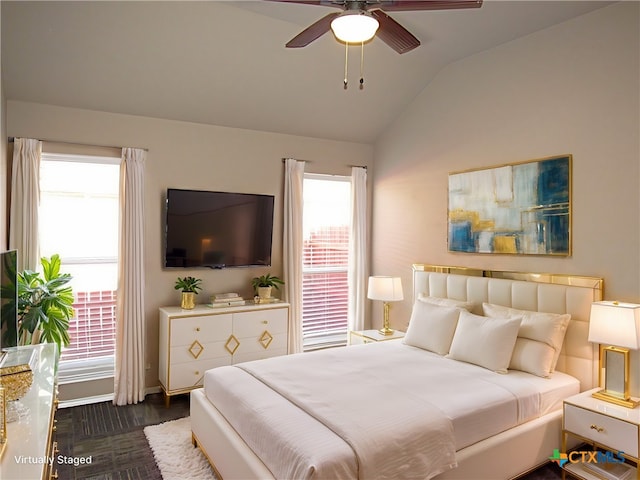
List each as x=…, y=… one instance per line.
x=521, y=208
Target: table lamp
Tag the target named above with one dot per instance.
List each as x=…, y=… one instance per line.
x=387, y=289
x=616, y=327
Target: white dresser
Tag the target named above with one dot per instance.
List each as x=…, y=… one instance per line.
x=31, y=452
x=193, y=341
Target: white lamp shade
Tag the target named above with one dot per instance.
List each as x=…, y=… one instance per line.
x=616, y=324
x=354, y=27
x=387, y=289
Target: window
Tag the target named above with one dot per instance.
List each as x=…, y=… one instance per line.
x=78, y=219
x=326, y=226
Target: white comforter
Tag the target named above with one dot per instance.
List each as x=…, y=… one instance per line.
x=368, y=405
x=391, y=403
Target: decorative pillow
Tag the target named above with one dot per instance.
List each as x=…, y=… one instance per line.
x=446, y=302
x=548, y=328
x=431, y=327
x=483, y=341
x=532, y=357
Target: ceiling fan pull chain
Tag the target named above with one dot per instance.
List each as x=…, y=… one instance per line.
x=346, y=61
x=362, y=66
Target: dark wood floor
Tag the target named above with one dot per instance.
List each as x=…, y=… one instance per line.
x=114, y=439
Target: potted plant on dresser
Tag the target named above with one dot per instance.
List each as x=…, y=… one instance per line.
x=264, y=284
x=190, y=287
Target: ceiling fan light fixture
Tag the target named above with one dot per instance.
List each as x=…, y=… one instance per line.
x=354, y=27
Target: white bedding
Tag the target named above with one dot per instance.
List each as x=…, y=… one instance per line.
x=389, y=388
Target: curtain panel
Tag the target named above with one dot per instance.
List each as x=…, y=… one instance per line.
x=357, y=274
x=129, y=379
x=292, y=249
x=25, y=200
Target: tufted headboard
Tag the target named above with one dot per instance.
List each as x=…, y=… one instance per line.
x=554, y=293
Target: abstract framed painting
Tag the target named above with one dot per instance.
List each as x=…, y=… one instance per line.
x=519, y=208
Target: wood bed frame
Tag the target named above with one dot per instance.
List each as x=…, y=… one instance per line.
x=506, y=455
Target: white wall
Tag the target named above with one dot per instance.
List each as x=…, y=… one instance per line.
x=4, y=214
x=3, y=164
x=573, y=88
x=196, y=156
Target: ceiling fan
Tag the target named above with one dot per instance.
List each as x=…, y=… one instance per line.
x=372, y=15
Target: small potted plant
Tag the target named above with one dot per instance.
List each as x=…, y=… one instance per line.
x=190, y=287
x=264, y=284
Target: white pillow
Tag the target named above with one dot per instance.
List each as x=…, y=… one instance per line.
x=548, y=328
x=483, y=341
x=446, y=302
x=532, y=357
x=431, y=327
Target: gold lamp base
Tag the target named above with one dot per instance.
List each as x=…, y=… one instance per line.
x=624, y=402
x=385, y=330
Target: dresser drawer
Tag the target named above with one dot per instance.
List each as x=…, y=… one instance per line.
x=198, y=351
x=608, y=431
x=206, y=328
x=190, y=375
x=248, y=356
x=253, y=324
x=263, y=346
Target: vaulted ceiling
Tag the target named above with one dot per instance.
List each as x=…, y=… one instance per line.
x=224, y=62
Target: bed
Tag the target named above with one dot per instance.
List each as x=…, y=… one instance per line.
x=430, y=406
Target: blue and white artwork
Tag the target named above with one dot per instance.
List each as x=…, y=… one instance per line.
x=521, y=208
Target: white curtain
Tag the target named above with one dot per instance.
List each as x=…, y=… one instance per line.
x=129, y=382
x=292, y=249
x=358, y=249
x=25, y=199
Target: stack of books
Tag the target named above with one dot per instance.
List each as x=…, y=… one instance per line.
x=226, y=300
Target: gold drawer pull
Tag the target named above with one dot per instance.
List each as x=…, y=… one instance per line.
x=265, y=339
x=265, y=322
x=232, y=344
x=596, y=428
x=197, y=372
x=197, y=329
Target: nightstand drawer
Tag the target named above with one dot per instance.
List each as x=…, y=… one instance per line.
x=611, y=432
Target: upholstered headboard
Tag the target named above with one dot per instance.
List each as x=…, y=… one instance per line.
x=554, y=293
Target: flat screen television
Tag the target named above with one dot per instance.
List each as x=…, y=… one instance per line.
x=8, y=299
x=217, y=229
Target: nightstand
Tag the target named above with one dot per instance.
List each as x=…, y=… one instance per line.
x=359, y=337
x=614, y=430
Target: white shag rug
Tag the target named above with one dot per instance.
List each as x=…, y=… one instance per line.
x=175, y=455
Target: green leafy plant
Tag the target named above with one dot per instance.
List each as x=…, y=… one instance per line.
x=45, y=304
x=188, y=284
x=266, y=281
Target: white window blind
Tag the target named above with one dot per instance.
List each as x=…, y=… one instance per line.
x=325, y=261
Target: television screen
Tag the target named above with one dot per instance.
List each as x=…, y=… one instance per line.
x=217, y=229
x=8, y=299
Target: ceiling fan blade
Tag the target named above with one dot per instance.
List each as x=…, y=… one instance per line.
x=412, y=5
x=312, y=32
x=325, y=3
x=394, y=34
